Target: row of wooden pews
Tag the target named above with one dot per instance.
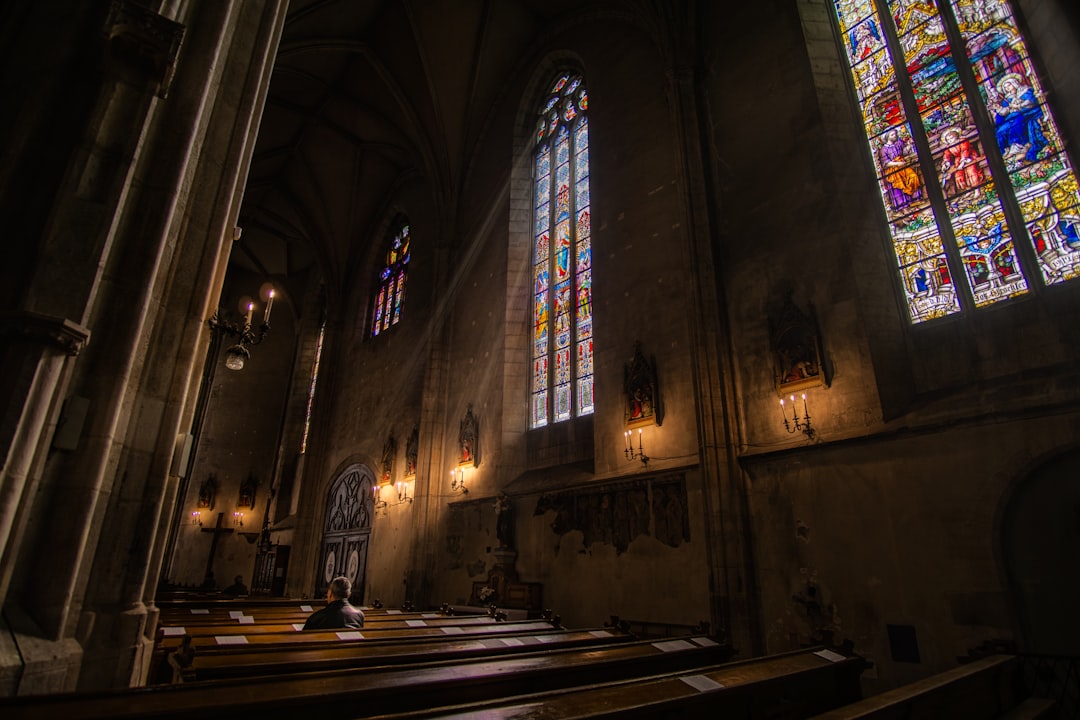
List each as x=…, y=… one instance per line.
x=250, y=660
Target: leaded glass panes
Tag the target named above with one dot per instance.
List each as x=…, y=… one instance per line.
x=392, y=277
x=938, y=182
x=562, y=355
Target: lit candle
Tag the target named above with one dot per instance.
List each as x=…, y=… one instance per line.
x=806, y=414
x=269, y=304
x=247, y=320
x=629, y=442
x=638, y=440
x=782, y=413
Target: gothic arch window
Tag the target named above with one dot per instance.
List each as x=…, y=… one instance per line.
x=980, y=195
x=391, y=282
x=562, y=341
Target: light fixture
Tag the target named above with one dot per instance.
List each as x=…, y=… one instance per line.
x=630, y=452
x=403, y=492
x=796, y=423
x=457, y=480
x=376, y=495
x=196, y=517
x=236, y=355
x=238, y=518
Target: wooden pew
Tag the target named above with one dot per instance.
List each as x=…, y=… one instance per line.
x=986, y=688
x=375, y=690
x=788, y=685
x=241, y=661
x=295, y=639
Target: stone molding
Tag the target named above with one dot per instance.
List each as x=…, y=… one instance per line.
x=61, y=333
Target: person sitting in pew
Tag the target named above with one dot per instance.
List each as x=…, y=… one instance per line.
x=339, y=612
x=237, y=588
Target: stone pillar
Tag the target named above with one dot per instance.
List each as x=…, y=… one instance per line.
x=134, y=244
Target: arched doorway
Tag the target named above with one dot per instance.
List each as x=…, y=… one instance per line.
x=1040, y=545
x=346, y=530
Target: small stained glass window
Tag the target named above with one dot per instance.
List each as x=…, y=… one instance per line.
x=392, y=277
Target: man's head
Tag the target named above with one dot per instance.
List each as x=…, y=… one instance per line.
x=239, y=579
x=339, y=588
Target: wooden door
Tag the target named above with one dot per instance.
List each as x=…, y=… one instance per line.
x=346, y=530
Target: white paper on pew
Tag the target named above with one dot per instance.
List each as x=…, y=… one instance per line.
x=167, y=631
x=246, y=619
x=365, y=607
x=430, y=615
x=491, y=643
x=200, y=611
x=453, y=630
x=704, y=641
x=600, y=633
x=510, y=641
x=305, y=608
x=830, y=655
x=350, y=635
x=393, y=612
x=231, y=640
x=701, y=683
x=544, y=638
x=672, y=645
x=298, y=626
x=416, y=623
x=234, y=614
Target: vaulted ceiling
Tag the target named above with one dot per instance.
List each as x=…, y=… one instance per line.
x=366, y=95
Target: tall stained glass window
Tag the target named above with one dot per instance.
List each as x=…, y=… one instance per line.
x=311, y=388
x=392, y=282
x=980, y=195
x=562, y=354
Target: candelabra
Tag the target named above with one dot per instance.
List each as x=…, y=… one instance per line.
x=630, y=452
x=238, y=518
x=196, y=517
x=797, y=424
x=403, y=496
x=457, y=481
x=237, y=354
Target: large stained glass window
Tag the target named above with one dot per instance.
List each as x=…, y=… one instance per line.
x=311, y=388
x=392, y=282
x=562, y=354
x=980, y=196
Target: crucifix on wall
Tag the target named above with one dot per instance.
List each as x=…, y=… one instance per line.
x=218, y=530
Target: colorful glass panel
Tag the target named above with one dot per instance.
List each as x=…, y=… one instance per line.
x=947, y=156
x=391, y=293
x=562, y=258
x=1040, y=174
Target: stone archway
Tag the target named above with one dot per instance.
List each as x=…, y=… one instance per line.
x=346, y=530
x=1040, y=551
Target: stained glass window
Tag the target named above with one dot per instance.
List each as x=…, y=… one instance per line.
x=562, y=348
x=980, y=196
x=392, y=279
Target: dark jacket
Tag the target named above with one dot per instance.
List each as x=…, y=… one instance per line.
x=338, y=614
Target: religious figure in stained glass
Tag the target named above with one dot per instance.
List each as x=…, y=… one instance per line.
x=933, y=149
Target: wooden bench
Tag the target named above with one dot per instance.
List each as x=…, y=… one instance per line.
x=986, y=688
x=791, y=685
x=375, y=690
x=204, y=642
x=240, y=661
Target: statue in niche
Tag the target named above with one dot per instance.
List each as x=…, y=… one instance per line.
x=247, y=492
x=796, y=350
x=504, y=521
x=467, y=439
x=412, y=451
x=642, y=391
x=207, y=491
x=389, y=450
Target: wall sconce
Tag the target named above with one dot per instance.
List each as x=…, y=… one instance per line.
x=628, y=449
x=238, y=518
x=403, y=492
x=237, y=355
x=457, y=481
x=376, y=494
x=196, y=517
x=796, y=423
